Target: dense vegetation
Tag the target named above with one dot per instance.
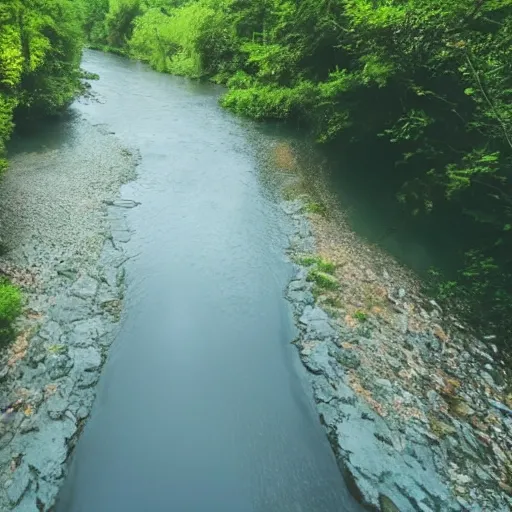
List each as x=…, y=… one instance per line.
x=40, y=47
x=10, y=308
x=426, y=81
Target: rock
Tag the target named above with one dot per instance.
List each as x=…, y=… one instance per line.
x=29, y=425
x=301, y=297
x=46, y=493
x=434, y=344
x=85, y=288
x=82, y=413
x=435, y=400
x=292, y=207
x=321, y=329
x=58, y=365
x=323, y=391
x=370, y=275
x=481, y=354
x=69, y=309
x=386, y=505
x=460, y=408
x=50, y=448
x=36, y=352
x=56, y=407
x=86, y=332
x=303, y=229
x=501, y=407
x=20, y=483
x=51, y=331
x=4, y=371
x=482, y=475
x=347, y=358
x=383, y=384
x=441, y=429
x=297, y=285
x=435, y=305
x=317, y=359
x=66, y=270
x=402, y=323
x=487, y=378
x=86, y=359
x=88, y=379
x=317, y=322
x=123, y=203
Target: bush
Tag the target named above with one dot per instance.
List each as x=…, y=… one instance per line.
x=323, y=280
x=40, y=48
x=10, y=309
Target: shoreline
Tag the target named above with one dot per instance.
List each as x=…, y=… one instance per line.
x=72, y=281
x=402, y=388
x=409, y=398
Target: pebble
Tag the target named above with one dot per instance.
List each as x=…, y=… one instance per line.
x=416, y=405
x=73, y=221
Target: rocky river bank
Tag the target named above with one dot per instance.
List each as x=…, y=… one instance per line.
x=63, y=231
x=415, y=406
x=417, y=409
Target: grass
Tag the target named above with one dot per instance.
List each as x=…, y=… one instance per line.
x=318, y=208
x=332, y=302
x=361, y=316
x=323, y=280
x=10, y=309
x=321, y=264
x=57, y=349
x=373, y=297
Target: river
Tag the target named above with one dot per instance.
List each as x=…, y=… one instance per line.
x=203, y=403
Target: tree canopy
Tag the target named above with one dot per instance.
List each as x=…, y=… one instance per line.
x=426, y=81
x=40, y=48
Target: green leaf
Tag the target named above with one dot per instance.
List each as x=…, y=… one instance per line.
x=469, y=91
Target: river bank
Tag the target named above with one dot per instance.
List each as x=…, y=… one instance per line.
x=417, y=409
x=63, y=231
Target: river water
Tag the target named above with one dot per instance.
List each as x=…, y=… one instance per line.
x=203, y=404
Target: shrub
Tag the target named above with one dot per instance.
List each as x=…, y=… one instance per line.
x=10, y=309
x=323, y=280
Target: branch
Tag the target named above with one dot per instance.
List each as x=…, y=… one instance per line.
x=478, y=5
x=488, y=100
x=503, y=195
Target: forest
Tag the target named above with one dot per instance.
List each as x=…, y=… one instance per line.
x=426, y=82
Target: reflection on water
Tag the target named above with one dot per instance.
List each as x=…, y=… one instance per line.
x=355, y=188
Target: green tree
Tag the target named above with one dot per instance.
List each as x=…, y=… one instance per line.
x=40, y=47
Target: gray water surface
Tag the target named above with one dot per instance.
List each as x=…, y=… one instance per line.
x=203, y=405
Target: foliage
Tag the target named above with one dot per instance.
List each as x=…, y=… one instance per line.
x=321, y=264
x=361, y=316
x=318, y=208
x=10, y=309
x=428, y=81
x=40, y=47
x=323, y=280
